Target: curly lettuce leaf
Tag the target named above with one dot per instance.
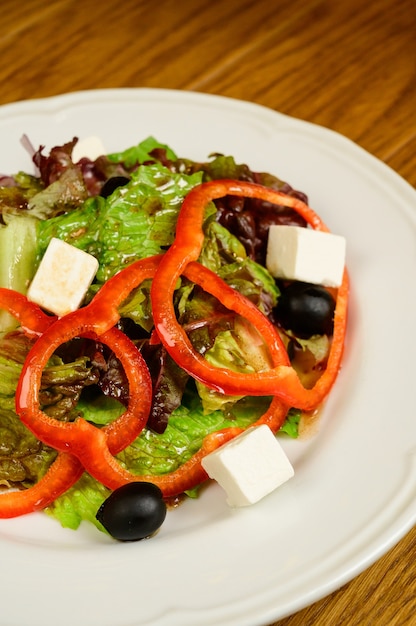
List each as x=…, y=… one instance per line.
x=141, y=153
x=16, y=191
x=136, y=221
x=253, y=281
x=218, y=166
x=81, y=502
x=239, y=349
x=291, y=424
x=64, y=194
x=188, y=425
x=220, y=247
x=23, y=459
x=137, y=306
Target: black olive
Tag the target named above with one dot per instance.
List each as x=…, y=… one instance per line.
x=306, y=310
x=133, y=512
x=111, y=185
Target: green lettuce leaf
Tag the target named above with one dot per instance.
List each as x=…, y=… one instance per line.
x=23, y=459
x=136, y=221
x=17, y=259
x=253, y=281
x=222, y=166
x=81, y=502
x=291, y=424
x=220, y=246
x=239, y=349
x=141, y=153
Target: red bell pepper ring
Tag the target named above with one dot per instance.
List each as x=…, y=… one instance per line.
x=281, y=380
x=79, y=437
x=30, y=316
x=95, y=320
x=62, y=474
x=66, y=469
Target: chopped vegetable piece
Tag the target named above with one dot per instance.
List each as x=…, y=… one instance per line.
x=31, y=317
x=62, y=474
x=81, y=438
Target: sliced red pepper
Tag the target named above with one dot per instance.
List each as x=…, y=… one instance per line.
x=282, y=380
x=30, y=316
x=234, y=300
x=82, y=437
x=79, y=437
x=62, y=474
x=66, y=469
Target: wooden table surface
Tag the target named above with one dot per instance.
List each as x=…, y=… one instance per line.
x=344, y=64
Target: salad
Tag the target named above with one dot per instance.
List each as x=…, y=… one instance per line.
x=184, y=338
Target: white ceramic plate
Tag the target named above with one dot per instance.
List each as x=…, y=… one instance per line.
x=353, y=494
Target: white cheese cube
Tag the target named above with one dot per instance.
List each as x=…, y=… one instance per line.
x=63, y=278
x=90, y=147
x=307, y=255
x=250, y=466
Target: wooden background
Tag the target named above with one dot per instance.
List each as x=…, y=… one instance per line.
x=346, y=64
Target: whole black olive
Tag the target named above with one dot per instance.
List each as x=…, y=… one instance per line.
x=111, y=185
x=306, y=310
x=133, y=512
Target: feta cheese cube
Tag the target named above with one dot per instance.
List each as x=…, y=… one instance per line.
x=90, y=147
x=250, y=466
x=63, y=278
x=307, y=255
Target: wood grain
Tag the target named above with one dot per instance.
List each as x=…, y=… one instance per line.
x=346, y=65
x=351, y=70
